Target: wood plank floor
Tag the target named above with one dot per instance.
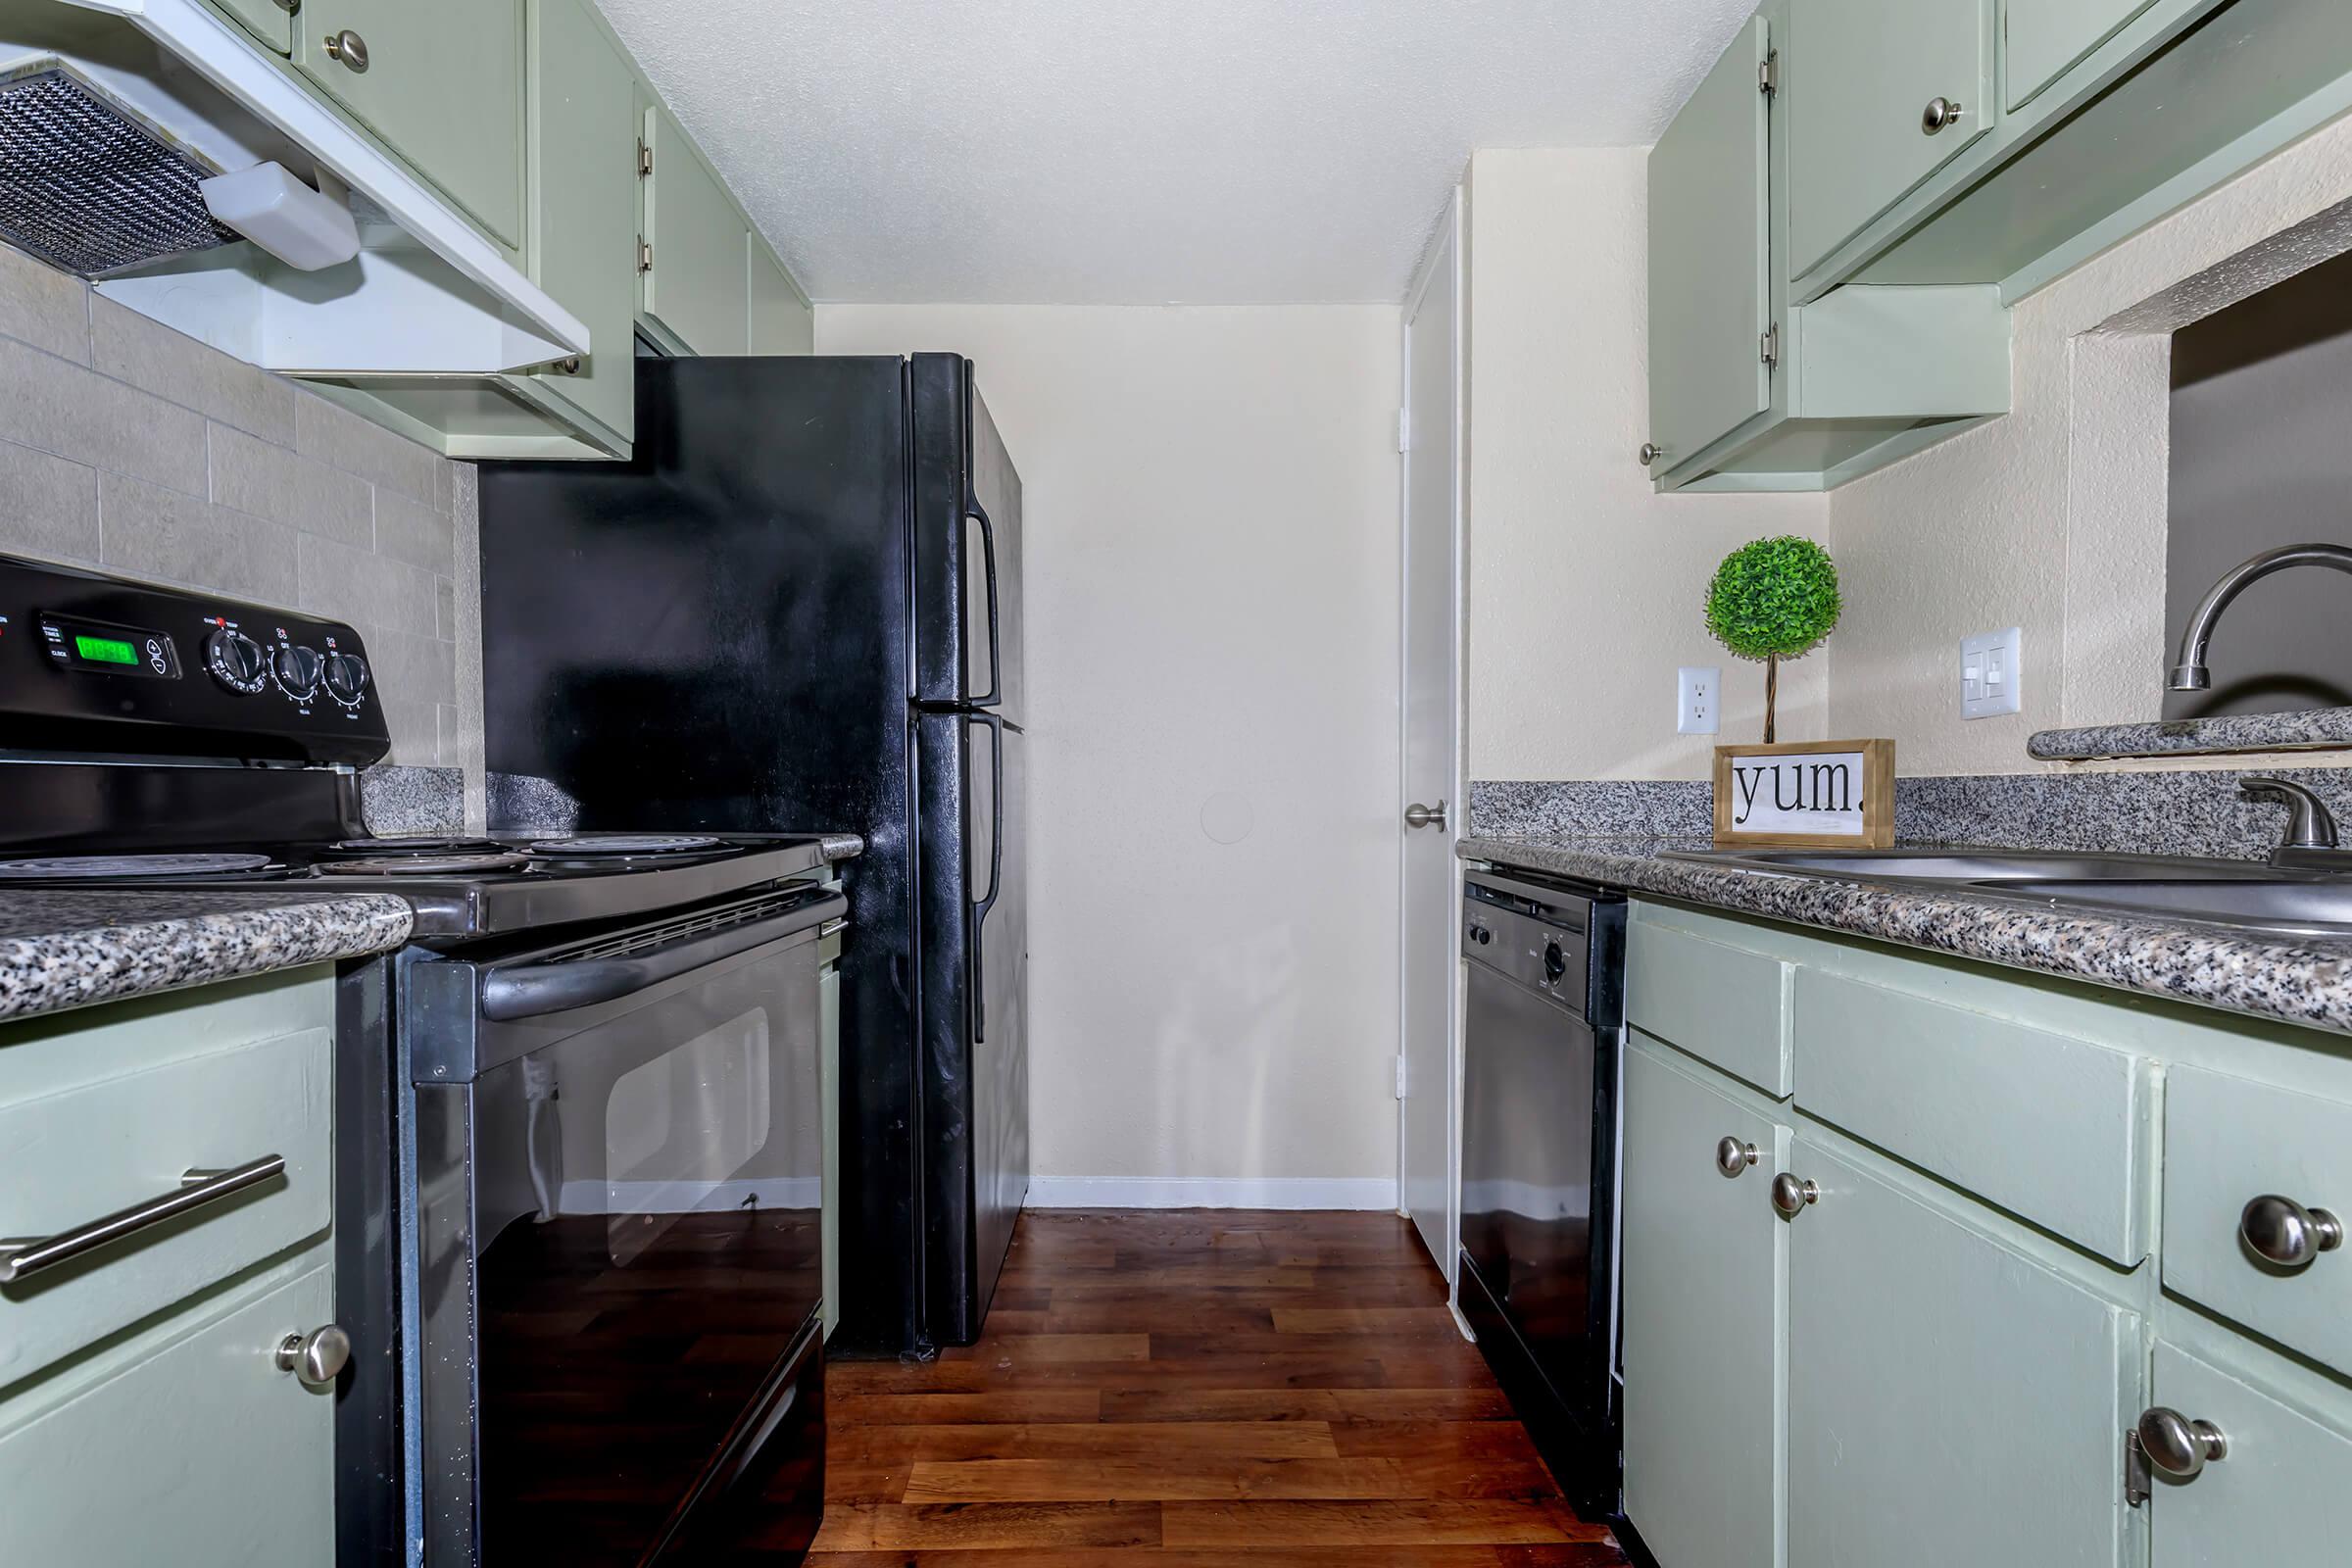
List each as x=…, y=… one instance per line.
x=1188, y=1387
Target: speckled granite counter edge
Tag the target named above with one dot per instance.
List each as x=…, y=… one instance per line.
x=2232, y=732
x=69, y=950
x=841, y=847
x=2301, y=981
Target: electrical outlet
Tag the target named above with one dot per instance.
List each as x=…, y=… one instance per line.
x=1695, y=712
x=1992, y=673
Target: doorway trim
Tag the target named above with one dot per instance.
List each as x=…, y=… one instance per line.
x=1448, y=243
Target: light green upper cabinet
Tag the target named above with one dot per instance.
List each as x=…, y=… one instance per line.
x=270, y=21
x=1950, y=1402
x=1710, y=286
x=583, y=248
x=781, y=320
x=1704, y=1298
x=696, y=287
x=2041, y=39
x=1864, y=78
x=440, y=82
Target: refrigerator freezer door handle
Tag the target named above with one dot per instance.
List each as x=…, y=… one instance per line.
x=995, y=695
x=996, y=868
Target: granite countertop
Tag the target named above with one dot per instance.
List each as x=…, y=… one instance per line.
x=2317, y=727
x=65, y=948
x=2303, y=980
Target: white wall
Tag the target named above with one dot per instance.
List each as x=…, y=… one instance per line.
x=2053, y=519
x=1211, y=579
x=1586, y=588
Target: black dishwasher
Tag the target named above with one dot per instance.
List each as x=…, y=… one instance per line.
x=1542, y=1038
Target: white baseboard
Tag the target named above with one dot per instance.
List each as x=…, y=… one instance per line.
x=1213, y=1191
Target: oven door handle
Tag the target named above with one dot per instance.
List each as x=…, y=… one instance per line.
x=536, y=990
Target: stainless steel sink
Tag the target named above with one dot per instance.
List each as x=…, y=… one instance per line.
x=2312, y=906
x=2002, y=866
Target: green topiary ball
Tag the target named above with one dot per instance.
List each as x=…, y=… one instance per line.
x=1775, y=597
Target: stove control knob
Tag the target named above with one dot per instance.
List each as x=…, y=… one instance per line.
x=297, y=670
x=236, y=660
x=346, y=677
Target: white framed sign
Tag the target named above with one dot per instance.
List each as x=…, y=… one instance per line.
x=1806, y=794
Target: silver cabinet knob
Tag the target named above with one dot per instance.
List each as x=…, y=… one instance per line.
x=1939, y=113
x=350, y=48
x=1651, y=451
x=316, y=1358
x=1791, y=1195
x=1732, y=1157
x=2285, y=1233
x=1419, y=816
x=2177, y=1447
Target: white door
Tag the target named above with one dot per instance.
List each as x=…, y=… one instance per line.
x=1429, y=433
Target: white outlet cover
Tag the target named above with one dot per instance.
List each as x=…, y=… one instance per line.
x=1698, y=700
x=1992, y=673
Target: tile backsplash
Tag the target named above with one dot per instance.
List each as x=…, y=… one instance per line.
x=128, y=446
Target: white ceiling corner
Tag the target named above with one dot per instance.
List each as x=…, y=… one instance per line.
x=1120, y=152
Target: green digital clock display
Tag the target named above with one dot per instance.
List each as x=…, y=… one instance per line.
x=105, y=649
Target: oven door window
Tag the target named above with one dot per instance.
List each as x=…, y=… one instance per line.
x=648, y=1191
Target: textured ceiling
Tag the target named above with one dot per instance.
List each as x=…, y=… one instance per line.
x=1143, y=151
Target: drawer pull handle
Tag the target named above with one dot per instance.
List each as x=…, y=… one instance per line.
x=1791, y=1195
x=2179, y=1447
x=350, y=48
x=316, y=1358
x=2285, y=1233
x=1732, y=1157
x=21, y=1258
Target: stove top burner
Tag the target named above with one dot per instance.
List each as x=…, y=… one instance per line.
x=76, y=866
x=595, y=845
x=426, y=865
x=377, y=849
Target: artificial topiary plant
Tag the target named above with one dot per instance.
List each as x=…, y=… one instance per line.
x=1772, y=599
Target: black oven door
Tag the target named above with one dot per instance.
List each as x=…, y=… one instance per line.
x=618, y=1249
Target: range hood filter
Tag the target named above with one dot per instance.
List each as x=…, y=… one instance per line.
x=91, y=189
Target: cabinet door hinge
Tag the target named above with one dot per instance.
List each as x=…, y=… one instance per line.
x=1769, y=347
x=645, y=255
x=1405, y=430
x=645, y=161
x=1400, y=1075
x=2137, y=1480
x=1768, y=75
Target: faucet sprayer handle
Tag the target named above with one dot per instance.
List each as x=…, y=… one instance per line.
x=2310, y=825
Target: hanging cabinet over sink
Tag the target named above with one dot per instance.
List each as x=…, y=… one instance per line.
x=1854, y=195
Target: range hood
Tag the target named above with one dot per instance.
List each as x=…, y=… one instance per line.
x=426, y=294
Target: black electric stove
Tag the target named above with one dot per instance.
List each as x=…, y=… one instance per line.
x=577, y=1119
x=460, y=888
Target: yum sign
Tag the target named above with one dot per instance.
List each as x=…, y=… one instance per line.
x=1807, y=794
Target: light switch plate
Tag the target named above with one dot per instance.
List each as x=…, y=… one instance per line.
x=1695, y=712
x=1992, y=673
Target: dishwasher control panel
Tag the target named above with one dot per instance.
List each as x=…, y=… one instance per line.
x=1564, y=945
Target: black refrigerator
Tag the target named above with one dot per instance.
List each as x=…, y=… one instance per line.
x=798, y=607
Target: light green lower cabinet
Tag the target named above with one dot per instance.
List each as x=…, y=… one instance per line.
x=1951, y=1403
x=2273, y=1499
x=1704, y=1292
x=201, y=1455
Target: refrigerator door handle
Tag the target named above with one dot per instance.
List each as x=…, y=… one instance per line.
x=995, y=695
x=996, y=870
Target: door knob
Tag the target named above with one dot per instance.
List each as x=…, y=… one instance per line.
x=2177, y=1447
x=1791, y=1195
x=1419, y=816
x=1939, y=114
x=2285, y=1233
x=350, y=48
x=1732, y=1157
x=316, y=1358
